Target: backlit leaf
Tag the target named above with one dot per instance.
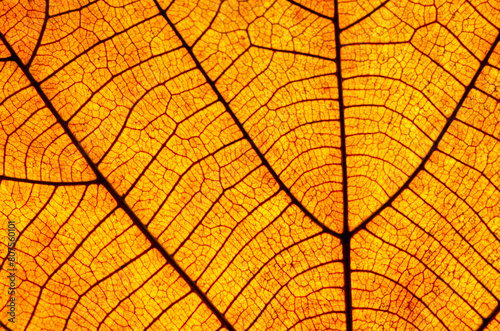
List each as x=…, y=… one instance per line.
x=263, y=165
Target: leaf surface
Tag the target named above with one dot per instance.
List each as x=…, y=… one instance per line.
x=237, y=165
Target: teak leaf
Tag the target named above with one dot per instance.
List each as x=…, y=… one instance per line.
x=250, y=165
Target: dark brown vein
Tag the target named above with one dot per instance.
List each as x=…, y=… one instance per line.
x=488, y=319
x=346, y=238
x=39, y=41
x=309, y=9
x=43, y=182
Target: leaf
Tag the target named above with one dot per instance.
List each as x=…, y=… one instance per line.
x=235, y=165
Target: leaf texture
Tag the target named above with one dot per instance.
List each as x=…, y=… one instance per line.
x=251, y=165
